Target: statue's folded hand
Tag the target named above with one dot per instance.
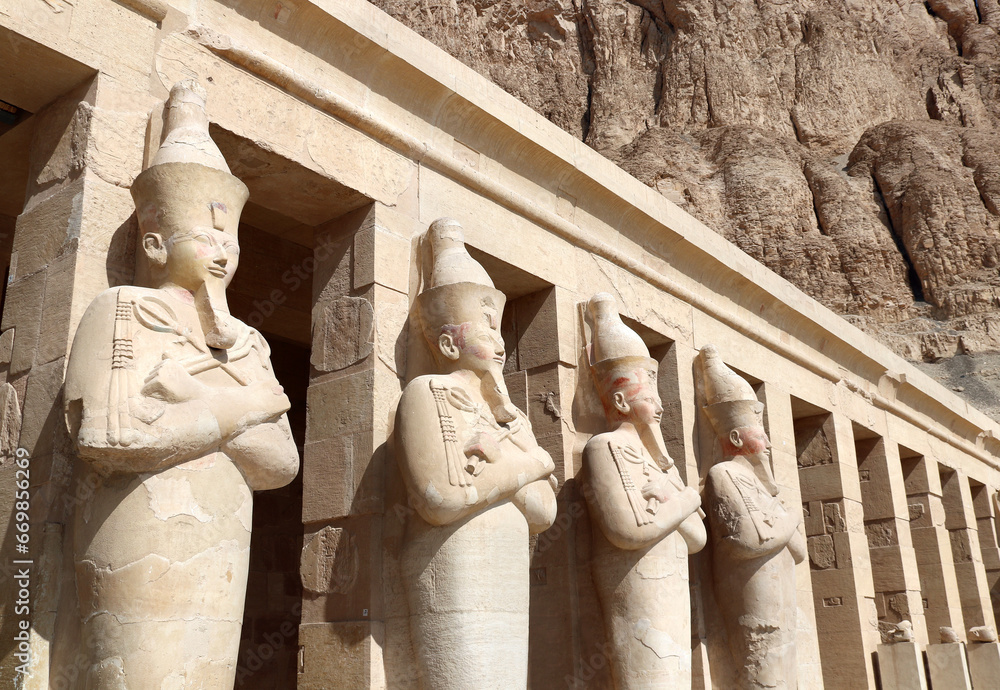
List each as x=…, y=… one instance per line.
x=170, y=382
x=659, y=488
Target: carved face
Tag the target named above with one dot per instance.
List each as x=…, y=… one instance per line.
x=195, y=258
x=749, y=441
x=636, y=399
x=640, y=404
x=475, y=345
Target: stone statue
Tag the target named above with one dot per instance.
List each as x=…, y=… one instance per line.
x=755, y=539
x=948, y=635
x=982, y=633
x=173, y=405
x=901, y=632
x=646, y=521
x=478, y=480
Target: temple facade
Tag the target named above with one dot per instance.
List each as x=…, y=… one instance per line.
x=354, y=138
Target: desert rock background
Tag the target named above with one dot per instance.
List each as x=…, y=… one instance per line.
x=849, y=145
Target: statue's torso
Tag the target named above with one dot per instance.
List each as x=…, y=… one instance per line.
x=644, y=592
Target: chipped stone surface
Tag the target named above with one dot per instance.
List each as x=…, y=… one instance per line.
x=172, y=497
x=342, y=332
x=330, y=561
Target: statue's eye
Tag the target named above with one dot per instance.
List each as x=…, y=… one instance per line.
x=232, y=248
x=203, y=239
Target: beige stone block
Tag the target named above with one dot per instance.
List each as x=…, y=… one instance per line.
x=901, y=666
x=381, y=256
x=339, y=404
x=568, y=330
x=834, y=592
x=887, y=569
x=918, y=509
x=387, y=389
x=813, y=518
x=545, y=404
x=536, y=316
x=948, y=666
x=821, y=482
x=6, y=345
x=821, y=553
x=344, y=655
x=550, y=257
x=340, y=477
x=45, y=231
x=42, y=421
x=928, y=543
x=392, y=311
x=341, y=571
x=852, y=550
x=343, y=332
x=53, y=335
x=846, y=662
x=984, y=663
x=23, y=312
x=108, y=229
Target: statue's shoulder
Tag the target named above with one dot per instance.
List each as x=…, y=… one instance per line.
x=434, y=382
x=105, y=302
x=436, y=388
x=100, y=314
x=720, y=473
x=104, y=306
x=601, y=444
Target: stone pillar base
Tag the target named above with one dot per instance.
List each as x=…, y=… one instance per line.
x=984, y=664
x=901, y=666
x=948, y=666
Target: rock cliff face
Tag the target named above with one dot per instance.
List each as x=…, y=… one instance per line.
x=849, y=145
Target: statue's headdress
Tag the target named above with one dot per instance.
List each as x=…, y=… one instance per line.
x=732, y=404
x=618, y=356
x=730, y=401
x=188, y=183
x=459, y=287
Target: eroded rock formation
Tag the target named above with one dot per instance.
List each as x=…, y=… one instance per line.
x=849, y=146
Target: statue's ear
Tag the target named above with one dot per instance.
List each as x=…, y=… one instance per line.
x=735, y=438
x=447, y=346
x=155, y=248
x=621, y=404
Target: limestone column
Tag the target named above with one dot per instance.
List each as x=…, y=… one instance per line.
x=960, y=521
x=948, y=666
x=781, y=431
x=74, y=238
x=843, y=590
x=360, y=280
x=890, y=545
x=540, y=334
x=983, y=505
x=932, y=543
x=901, y=666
